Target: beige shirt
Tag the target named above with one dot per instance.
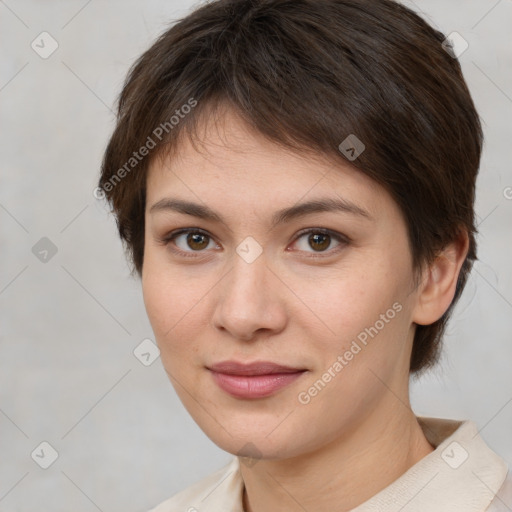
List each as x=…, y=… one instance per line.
x=462, y=474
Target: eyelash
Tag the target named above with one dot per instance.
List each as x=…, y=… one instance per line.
x=342, y=239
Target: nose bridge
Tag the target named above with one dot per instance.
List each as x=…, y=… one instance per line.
x=247, y=282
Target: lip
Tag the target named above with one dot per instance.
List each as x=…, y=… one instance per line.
x=252, y=369
x=258, y=379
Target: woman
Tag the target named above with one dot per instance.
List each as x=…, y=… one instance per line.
x=294, y=182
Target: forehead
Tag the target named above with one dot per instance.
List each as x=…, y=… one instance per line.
x=230, y=161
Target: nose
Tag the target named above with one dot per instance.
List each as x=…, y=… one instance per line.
x=249, y=300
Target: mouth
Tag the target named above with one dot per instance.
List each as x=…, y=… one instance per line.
x=259, y=379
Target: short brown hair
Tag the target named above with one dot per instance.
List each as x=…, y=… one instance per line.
x=306, y=74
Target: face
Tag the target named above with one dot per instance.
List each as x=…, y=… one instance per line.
x=325, y=293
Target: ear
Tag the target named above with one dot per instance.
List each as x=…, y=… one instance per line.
x=439, y=281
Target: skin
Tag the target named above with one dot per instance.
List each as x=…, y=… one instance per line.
x=358, y=434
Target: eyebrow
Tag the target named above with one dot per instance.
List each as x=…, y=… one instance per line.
x=324, y=204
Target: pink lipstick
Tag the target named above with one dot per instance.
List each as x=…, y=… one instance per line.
x=253, y=380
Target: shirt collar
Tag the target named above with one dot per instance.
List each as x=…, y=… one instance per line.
x=462, y=473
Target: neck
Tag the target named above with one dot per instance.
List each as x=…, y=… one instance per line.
x=343, y=474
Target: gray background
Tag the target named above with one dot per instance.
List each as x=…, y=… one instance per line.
x=69, y=325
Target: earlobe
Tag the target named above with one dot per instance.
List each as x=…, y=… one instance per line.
x=439, y=282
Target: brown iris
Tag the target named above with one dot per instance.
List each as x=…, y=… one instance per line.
x=197, y=241
x=322, y=240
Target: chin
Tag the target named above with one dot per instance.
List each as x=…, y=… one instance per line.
x=245, y=438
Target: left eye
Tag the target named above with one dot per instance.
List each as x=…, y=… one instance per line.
x=195, y=240
x=320, y=239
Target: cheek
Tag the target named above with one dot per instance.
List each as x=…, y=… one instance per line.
x=349, y=302
x=171, y=304
x=177, y=306
x=365, y=315
x=159, y=300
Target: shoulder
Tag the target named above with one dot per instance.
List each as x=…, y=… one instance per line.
x=502, y=502
x=219, y=491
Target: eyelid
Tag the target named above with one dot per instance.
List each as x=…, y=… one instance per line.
x=339, y=237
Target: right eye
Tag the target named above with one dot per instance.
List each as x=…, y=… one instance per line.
x=187, y=241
